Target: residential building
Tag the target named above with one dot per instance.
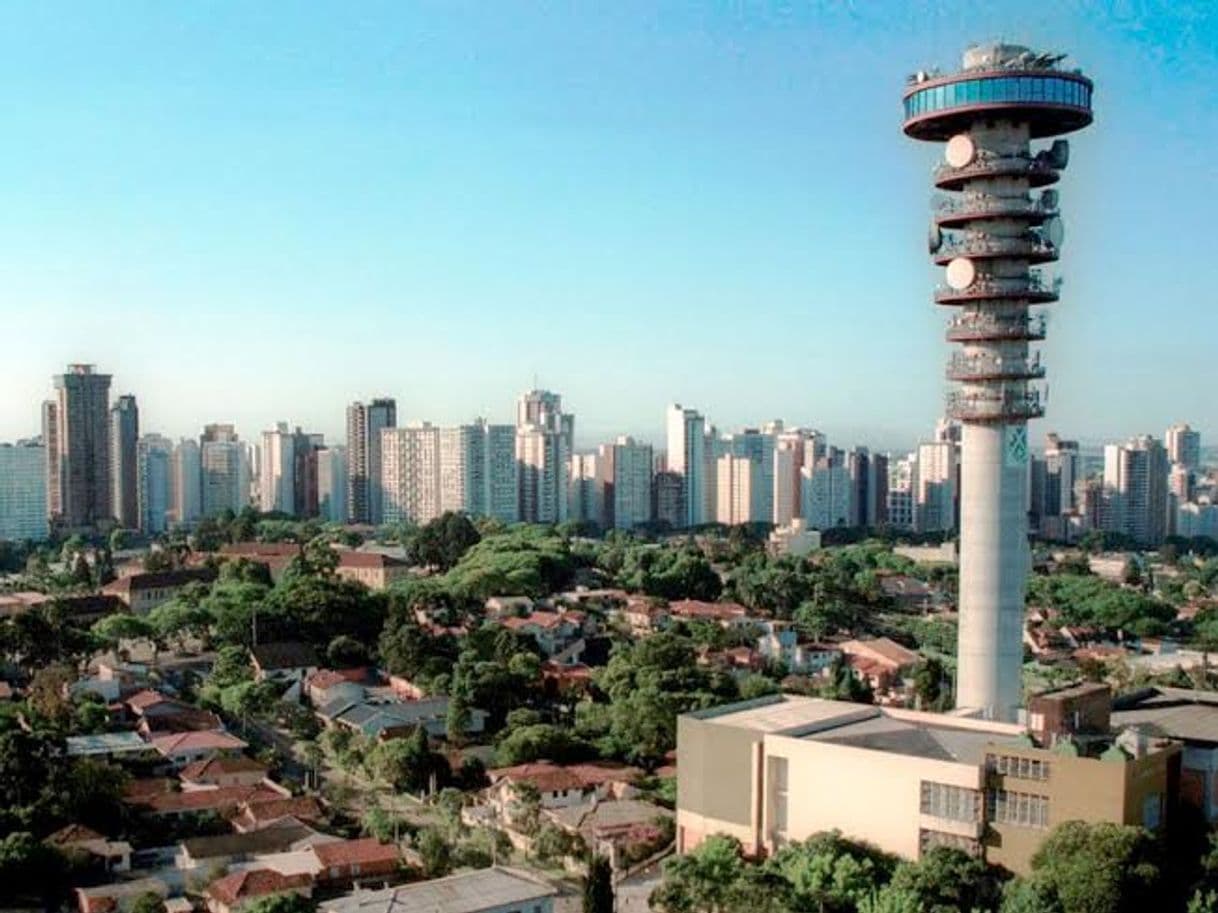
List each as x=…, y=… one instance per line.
x=795, y=539
x=332, y=483
x=478, y=473
x=736, y=478
x=53, y=481
x=143, y=592
x=935, y=493
x=277, y=471
x=586, y=489
x=902, y=486
x=186, y=482
x=544, y=466
x=306, y=481
x=1052, y=487
x=782, y=768
x=868, y=480
x=687, y=458
x=757, y=446
x=410, y=473
x=124, y=473
x=365, y=422
x=1184, y=446
x=224, y=465
x=544, y=409
x=628, y=493
x=23, y=495
x=372, y=569
x=494, y=890
x=153, y=483
x=1135, y=490
x=827, y=492
x=1195, y=519
x=668, y=494
x=81, y=436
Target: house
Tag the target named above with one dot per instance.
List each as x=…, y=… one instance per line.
x=261, y=812
x=230, y=849
x=724, y=614
x=507, y=606
x=603, y=600
x=113, y=855
x=237, y=891
x=559, y=786
x=183, y=748
x=779, y=641
x=158, y=714
x=276, y=557
x=643, y=616
x=611, y=828
x=224, y=800
x=118, y=896
x=317, y=685
x=285, y=661
x=372, y=569
x=405, y=688
x=880, y=661
x=343, y=861
x=223, y=770
x=379, y=716
x=494, y=890
x=141, y=593
x=114, y=746
x=907, y=592
x=553, y=631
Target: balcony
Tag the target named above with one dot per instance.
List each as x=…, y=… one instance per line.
x=985, y=367
x=997, y=406
x=1032, y=289
x=1030, y=247
x=957, y=211
x=983, y=327
x=1038, y=171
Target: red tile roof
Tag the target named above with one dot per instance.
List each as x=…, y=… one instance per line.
x=199, y=800
x=232, y=889
x=263, y=549
x=550, y=777
x=73, y=834
x=208, y=740
x=366, y=851
x=144, y=699
x=369, y=560
x=220, y=765
x=267, y=809
x=543, y=620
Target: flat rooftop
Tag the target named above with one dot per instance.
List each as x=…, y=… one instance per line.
x=922, y=735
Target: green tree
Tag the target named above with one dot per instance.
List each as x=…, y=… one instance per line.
x=945, y=880
x=29, y=870
x=282, y=903
x=830, y=873
x=444, y=541
x=148, y=902
x=701, y=881
x=1097, y=868
x=435, y=852
x=598, y=886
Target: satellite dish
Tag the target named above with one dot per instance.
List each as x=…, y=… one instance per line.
x=960, y=151
x=934, y=238
x=1048, y=200
x=1054, y=232
x=1060, y=153
x=961, y=273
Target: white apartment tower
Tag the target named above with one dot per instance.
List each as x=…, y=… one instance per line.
x=1135, y=490
x=737, y=478
x=410, y=473
x=1184, y=446
x=277, y=470
x=631, y=474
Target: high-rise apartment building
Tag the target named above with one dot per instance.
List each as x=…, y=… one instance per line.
x=1135, y=490
x=902, y=485
x=935, y=498
x=365, y=422
x=277, y=470
x=827, y=492
x=53, y=483
x=478, y=473
x=410, y=473
x=586, y=490
x=23, y=494
x=81, y=434
x=1184, y=446
x=224, y=467
x=154, y=483
x=629, y=480
x=687, y=458
x=1051, y=489
x=545, y=439
x=736, y=478
x=758, y=446
x=124, y=439
x=186, y=482
x=332, y=483
x=544, y=409
x=305, y=480
x=668, y=492
x=868, y=475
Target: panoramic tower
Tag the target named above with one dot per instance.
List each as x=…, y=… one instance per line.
x=992, y=229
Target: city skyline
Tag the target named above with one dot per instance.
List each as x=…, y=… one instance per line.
x=442, y=233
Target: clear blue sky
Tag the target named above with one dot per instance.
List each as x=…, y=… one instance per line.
x=254, y=212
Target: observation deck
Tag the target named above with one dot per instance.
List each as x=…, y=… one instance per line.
x=998, y=82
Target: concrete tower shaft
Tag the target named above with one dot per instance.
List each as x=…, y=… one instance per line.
x=991, y=230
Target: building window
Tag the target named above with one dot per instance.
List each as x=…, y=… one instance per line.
x=778, y=777
x=954, y=802
x=1016, y=766
x=1152, y=812
x=1019, y=809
